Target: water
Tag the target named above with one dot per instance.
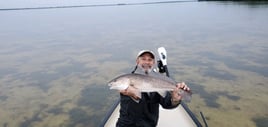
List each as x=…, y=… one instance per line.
x=55, y=63
x=186, y=96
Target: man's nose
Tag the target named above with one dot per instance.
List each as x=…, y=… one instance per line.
x=147, y=61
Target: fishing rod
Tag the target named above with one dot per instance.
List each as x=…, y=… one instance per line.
x=162, y=65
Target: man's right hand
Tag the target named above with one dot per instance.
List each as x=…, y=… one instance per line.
x=132, y=92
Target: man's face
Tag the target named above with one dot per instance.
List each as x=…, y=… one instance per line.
x=146, y=62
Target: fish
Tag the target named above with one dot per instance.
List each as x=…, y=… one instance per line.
x=146, y=83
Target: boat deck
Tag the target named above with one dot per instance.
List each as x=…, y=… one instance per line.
x=167, y=118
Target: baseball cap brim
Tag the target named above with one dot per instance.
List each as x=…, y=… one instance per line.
x=146, y=51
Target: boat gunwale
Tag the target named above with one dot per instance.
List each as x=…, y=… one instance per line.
x=111, y=111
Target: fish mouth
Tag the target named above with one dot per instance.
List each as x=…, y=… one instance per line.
x=111, y=85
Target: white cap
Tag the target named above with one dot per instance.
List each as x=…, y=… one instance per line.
x=146, y=51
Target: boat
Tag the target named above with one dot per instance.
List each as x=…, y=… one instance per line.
x=181, y=116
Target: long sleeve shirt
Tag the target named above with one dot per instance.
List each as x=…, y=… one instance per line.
x=144, y=113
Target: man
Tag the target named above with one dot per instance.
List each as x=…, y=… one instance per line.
x=144, y=111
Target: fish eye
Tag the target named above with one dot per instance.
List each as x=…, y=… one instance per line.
x=114, y=80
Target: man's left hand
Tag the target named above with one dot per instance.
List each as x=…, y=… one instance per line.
x=176, y=97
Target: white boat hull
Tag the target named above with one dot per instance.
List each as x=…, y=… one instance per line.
x=177, y=117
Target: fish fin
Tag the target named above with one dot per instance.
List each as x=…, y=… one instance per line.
x=136, y=100
x=162, y=93
x=137, y=93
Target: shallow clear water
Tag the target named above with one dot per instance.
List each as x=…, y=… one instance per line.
x=55, y=63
